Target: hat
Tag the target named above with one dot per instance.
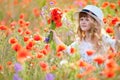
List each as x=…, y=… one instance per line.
x=94, y=12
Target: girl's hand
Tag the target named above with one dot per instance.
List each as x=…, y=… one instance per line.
x=56, y=38
x=117, y=31
x=54, y=34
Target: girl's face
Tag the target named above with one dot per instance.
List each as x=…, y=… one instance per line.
x=85, y=22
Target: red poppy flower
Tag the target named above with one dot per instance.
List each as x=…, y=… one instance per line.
x=90, y=52
x=109, y=30
x=37, y=37
x=99, y=59
x=12, y=40
x=72, y=50
x=61, y=48
x=16, y=47
x=23, y=54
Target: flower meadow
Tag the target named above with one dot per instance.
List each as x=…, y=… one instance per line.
x=27, y=51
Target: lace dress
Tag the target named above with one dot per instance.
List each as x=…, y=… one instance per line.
x=83, y=46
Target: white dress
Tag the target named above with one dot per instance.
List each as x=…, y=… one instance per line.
x=83, y=46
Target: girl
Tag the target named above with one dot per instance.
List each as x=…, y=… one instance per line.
x=90, y=33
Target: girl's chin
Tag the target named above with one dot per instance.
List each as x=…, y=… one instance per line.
x=85, y=30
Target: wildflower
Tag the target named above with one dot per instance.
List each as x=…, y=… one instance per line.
x=36, y=12
x=105, y=20
x=9, y=63
x=72, y=50
x=108, y=73
x=22, y=16
x=44, y=51
x=89, y=69
x=47, y=47
x=37, y=37
x=55, y=20
x=26, y=38
x=111, y=64
x=61, y=47
x=16, y=47
x=13, y=23
x=21, y=22
x=47, y=40
x=99, y=59
x=59, y=54
x=27, y=23
x=49, y=76
x=111, y=55
x=112, y=5
x=3, y=27
x=54, y=67
x=90, y=52
x=81, y=63
x=79, y=75
x=95, y=2
x=43, y=65
x=1, y=67
x=20, y=30
x=18, y=67
x=39, y=55
x=118, y=2
x=114, y=20
x=105, y=4
x=53, y=2
x=109, y=30
x=27, y=31
x=22, y=55
x=30, y=44
x=56, y=15
x=16, y=77
x=12, y=40
x=15, y=2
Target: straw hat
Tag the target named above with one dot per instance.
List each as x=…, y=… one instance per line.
x=93, y=11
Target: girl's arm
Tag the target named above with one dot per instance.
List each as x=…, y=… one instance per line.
x=117, y=35
x=59, y=42
x=57, y=39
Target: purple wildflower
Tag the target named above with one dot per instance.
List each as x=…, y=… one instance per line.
x=16, y=77
x=51, y=3
x=17, y=67
x=47, y=40
x=50, y=76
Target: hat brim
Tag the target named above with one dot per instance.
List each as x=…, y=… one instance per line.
x=76, y=15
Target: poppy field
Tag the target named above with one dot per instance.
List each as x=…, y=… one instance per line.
x=28, y=52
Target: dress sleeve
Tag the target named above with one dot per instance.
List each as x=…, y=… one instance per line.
x=73, y=45
x=107, y=40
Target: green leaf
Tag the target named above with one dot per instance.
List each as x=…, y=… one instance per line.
x=52, y=26
x=50, y=36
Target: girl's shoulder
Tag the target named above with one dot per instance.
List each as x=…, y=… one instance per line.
x=108, y=40
x=76, y=42
x=106, y=37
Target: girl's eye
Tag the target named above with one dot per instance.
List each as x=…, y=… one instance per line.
x=81, y=19
x=87, y=19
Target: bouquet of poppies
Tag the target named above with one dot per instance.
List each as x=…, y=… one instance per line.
x=54, y=21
